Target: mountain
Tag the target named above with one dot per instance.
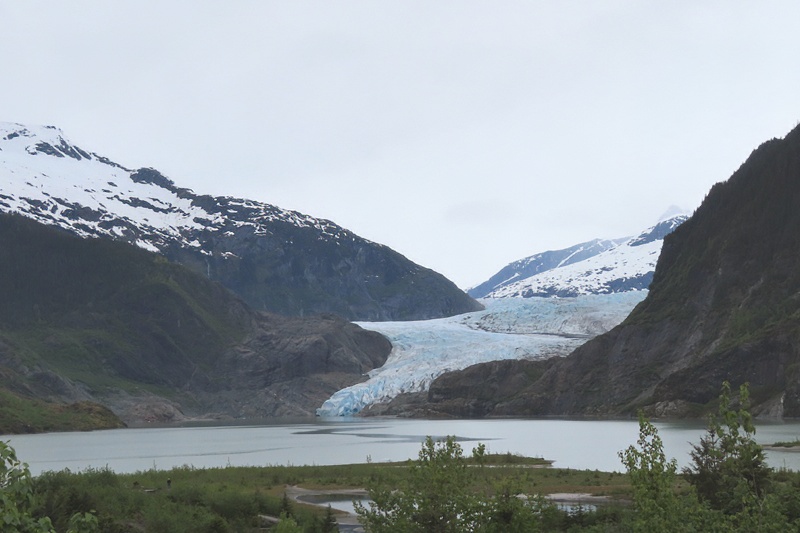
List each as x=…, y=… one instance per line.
x=724, y=304
x=594, y=267
x=275, y=260
x=103, y=321
x=523, y=269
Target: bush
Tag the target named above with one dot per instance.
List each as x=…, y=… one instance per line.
x=16, y=495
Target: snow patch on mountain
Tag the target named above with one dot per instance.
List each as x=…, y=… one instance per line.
x=46, y=177
x=541, y=262
x=509, y=328
x=628, y=265
x=274, y=259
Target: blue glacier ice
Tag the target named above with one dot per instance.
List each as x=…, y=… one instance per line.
x=509, y=328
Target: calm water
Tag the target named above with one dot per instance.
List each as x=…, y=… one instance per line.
x=570, y=443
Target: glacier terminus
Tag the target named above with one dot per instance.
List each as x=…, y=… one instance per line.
x=509, y=328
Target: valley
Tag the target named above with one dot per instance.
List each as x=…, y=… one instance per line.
x=517, y=267
x=125, y=278
x=508, y=329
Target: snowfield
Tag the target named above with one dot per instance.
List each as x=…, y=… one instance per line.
x=590, y=276
x=45, y=177
x=594, y=267
x=509, y=328
x=626, y=266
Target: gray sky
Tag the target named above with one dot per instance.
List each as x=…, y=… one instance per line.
x=463, y=134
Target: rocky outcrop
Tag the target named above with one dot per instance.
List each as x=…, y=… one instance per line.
x=285, y=368
x=289, y=366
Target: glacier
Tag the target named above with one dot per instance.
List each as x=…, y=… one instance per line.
x=508, y=328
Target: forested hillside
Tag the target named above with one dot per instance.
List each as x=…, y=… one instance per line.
x=93, y=319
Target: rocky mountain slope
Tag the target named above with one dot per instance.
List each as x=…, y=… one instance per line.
x=724, y=304
x=594, y=267
x=103, y=321
x=274, y=259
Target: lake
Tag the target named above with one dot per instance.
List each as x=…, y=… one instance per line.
x=579, y=444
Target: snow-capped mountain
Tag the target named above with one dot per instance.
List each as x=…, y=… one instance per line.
x=509, y=328
x=54, y=182
x=536, y=264
x=275, y=259
x=596, y=267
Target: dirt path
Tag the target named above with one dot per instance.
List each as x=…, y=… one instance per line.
x=348, y=523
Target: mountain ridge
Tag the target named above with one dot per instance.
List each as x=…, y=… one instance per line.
x=104, y=321
x=275, y=259
x=600, y=266
x=541, y=262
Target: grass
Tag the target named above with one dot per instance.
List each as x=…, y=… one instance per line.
x=230, y=499
x=787, y=444
x=26, y=415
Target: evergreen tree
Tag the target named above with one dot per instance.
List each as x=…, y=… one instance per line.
x=329, y=524
x=729, y=469
x=286, y=506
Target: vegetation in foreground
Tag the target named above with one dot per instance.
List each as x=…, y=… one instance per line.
x=727, y=487
x=786, y=444
x=233, y=498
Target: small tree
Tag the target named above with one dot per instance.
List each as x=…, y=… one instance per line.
x=652, y=476
x=479, y=454
x=729, y=469
x=436, y=498
x=83, y=523
x=286, y=506
x=507, y=511
x=287, y=524
x=329, y=524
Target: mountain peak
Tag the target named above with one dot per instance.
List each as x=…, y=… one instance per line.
x=36, y=140
x=11, y=130
x=674, y=211
x=659, y=231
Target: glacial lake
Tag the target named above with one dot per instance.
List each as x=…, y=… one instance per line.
x=579, y=444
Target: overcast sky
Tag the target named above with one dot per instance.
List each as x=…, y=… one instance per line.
x=463, y=134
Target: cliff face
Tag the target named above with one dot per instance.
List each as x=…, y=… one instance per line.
x=724, y=304
x=299, y=270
